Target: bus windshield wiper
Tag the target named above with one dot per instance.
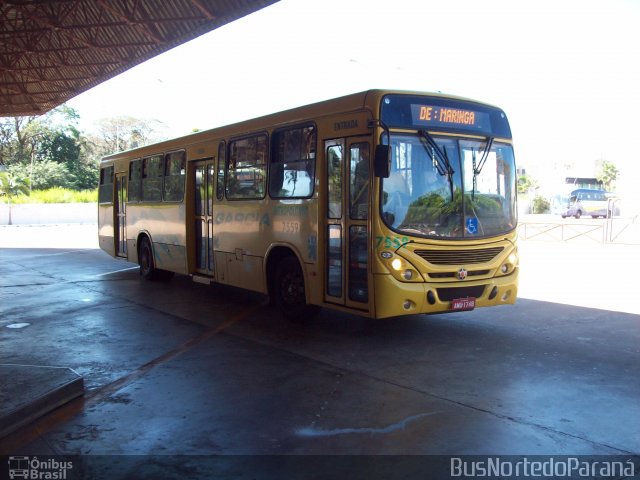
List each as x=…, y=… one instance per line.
x=477, y=167
x=440, y=158
x=483, y=159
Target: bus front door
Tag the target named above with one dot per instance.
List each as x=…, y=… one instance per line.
x=348, y=205
x=120, y=212
x=204, y=180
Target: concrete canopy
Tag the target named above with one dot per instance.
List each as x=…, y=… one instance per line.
x=52, y=50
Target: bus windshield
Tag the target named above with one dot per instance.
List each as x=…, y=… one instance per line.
x=449, y=187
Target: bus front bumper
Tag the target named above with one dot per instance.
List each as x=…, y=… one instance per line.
x=396, y=298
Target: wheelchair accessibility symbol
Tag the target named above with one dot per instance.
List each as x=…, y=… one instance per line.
x=472, y=225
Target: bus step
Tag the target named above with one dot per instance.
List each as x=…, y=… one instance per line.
x=201, y=279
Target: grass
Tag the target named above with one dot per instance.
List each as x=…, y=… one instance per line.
x=58, y=195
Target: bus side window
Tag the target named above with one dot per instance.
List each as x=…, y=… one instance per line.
x=222, y=167
x=292, y=169
x=359, y=181
x=152, y=178
x=174, y=174
x=105, y=192
x=135, y=181
x=334, y=181
x=246, y=170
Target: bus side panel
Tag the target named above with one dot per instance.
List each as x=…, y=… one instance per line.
x=244, y=232
x=105, y=228
x=241, y=231
x=170, y=257
x=243, y=271
x=165, y=224
x=295, y=223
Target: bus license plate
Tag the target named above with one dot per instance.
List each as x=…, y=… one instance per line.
x=463, y=304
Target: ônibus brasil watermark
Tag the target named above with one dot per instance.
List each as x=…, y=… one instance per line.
x=549, y=467
x=35, y=469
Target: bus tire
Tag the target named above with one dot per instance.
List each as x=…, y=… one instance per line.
x=289, y=290
x=148, y=270
x=145, y=260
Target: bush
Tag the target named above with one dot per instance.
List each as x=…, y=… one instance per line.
x=59, y=195
x=46, y=174
x=540, y=205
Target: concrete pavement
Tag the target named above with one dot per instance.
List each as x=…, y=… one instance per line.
x=180, y=368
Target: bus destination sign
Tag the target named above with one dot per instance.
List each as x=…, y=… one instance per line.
x=435, y=116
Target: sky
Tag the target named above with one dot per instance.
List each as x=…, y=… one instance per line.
x=566, y=72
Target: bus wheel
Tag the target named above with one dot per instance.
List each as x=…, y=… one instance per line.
x=145, y=260
x=148, y=269
x=289, y=293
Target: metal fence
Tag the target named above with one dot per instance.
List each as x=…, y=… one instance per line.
x=619, y=230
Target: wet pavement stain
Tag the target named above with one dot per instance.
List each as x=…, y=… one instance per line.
x=317, y=432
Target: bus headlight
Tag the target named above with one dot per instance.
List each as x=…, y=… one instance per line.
x=400, y=268
x=510, y=264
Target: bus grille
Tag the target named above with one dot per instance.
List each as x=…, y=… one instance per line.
x=471, y=273
x=459, y=257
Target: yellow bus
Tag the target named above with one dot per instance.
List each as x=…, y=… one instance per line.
x=381, y=203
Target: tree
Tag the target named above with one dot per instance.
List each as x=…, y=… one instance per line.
x=52, y=151
x=540, y=205
x=11, y=186
x=26, y=142
x=42, y=175
x=6, y=140
x=17, y=139
x=124, y=133
x=607, y=174
x=60, y=145
x=526, y=183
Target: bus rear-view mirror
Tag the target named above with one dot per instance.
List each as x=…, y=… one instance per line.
x=382, y=166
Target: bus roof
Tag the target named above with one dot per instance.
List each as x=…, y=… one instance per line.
x=347, y=103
